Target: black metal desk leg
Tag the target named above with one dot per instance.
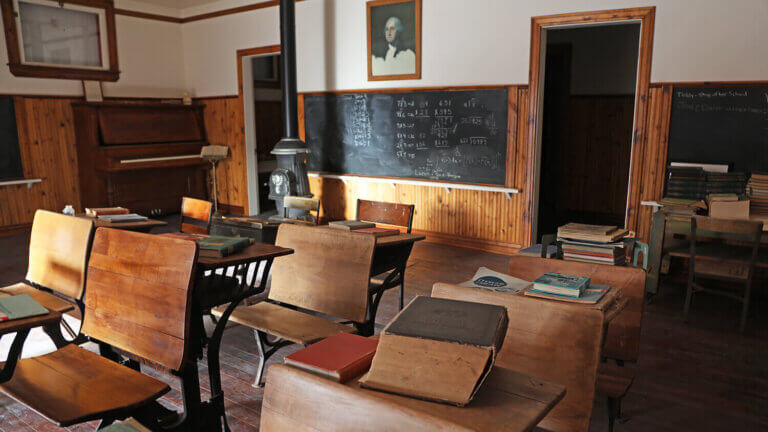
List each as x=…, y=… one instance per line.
x=13, y=355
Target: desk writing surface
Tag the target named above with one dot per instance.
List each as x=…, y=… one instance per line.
x=387, y=240
x=508, y=401
x=254, y=252
x=149, y=223
x=29, y=322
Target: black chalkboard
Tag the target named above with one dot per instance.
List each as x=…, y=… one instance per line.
x=721, y=125
x=10, y=155
x=457, y=136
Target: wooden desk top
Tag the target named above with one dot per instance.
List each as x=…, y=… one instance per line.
x=508, y=401
x=389, y=240
x=28, y=323
x=147, y=224
x=254, y=252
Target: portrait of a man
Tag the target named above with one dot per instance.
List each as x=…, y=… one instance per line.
x=394, y=39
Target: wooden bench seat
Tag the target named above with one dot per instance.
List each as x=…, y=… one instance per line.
x=295, y=326
x=73, y=385
x=47, y=300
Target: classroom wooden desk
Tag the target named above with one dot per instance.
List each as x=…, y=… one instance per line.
x=142, y=226
x=298, y=400
x=22, y=327
x=664, y=227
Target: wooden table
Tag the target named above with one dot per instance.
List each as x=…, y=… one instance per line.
x=297, y=400
x=664, y=227
x=21, y=327
x=142, y=226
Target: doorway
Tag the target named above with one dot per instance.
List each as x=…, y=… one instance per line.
x=590, y=76
x=260, y=90
x=591, y=176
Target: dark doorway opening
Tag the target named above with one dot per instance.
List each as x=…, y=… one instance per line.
x=268, y=119
x=590, y=79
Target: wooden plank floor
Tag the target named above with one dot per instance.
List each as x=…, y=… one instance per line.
x=702, y=375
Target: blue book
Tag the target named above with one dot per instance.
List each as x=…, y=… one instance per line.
x=563, y=284
x=591, y=295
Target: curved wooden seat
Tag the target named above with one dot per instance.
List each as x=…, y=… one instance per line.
x=73, y=385
x=295, y=326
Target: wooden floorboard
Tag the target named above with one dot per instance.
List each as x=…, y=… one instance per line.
x=702, y=375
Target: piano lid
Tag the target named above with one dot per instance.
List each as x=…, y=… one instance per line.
x=144, y=124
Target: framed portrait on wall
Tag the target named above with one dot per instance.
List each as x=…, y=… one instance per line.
x=394, y=39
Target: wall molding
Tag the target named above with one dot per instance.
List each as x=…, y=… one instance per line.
x=199, y=17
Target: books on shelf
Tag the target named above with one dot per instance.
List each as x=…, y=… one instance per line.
x=222, y=246
x=105, y=211
x=757, y=192
x=591, y=295
x=438, y=349
x=562, y=284
x=340, y=357
x=117, y=218
x=20, y=306
x=350, y=225
x=686, y=182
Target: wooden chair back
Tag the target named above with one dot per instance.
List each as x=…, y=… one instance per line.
x=196, y=215
x=386, y=213
x=622, y=340
x=726, y=265
x=549, y=340
x=139, y=295
x=302, y=203
x=58, y=252
x=328, y=272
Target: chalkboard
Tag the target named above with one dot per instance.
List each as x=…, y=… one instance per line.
x=10, y=155
x=456, y=136
x=722, y=125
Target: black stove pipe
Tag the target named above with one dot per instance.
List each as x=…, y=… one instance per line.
x=288, y=59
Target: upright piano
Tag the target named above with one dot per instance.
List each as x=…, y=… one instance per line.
x=142, y=156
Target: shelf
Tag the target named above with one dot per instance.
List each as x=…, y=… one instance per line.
x=447, y=186
x=28, y=182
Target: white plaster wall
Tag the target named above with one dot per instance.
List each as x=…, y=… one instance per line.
x=467, y=42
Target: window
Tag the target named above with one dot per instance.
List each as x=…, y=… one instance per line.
x=73, y=39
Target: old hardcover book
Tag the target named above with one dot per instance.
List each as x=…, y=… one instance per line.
x=221, y=246
x=118, y=218
x=591, y=295
x=438, y=349
x=339, y=357
x=563, y=284
x=378, y=232
x=106, y=211
x=350, y=225
x=20, y=306
x=185, y=236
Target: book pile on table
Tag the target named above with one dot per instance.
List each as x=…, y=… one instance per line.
x=682, y=206
x=363, y=228
x=757, y=191
x=114, y=214
x=602, y=244
x=726, y=183
x=686, y=182
x=214, y=246
x=564, y=287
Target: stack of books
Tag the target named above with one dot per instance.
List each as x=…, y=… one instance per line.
x=105, y=211
x=602, y=244
x=757, y=191
x=363, y=228
x=726, y=183
x=682, y=206
x=564, y=287
x=686, y=182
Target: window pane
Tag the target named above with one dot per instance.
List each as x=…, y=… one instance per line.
x=55, y=35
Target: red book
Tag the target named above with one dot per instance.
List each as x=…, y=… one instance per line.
x=378, y=232
x=340, y=357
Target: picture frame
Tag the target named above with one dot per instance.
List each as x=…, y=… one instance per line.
x=93, y=91
x=393, y=34
x=92, y=55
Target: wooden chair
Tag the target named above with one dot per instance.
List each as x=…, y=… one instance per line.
x=398, y=215
x=196, y=215
x=58, y=254
x=622, y=341
x=542, y=341
x=301, y=203
x=138, y=299
x=722, y=259
x=328, y=273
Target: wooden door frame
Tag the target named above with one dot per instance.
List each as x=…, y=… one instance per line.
x=646, y=17
x=240, y=55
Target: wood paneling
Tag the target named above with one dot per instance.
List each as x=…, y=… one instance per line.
x=224, y=126
x=654, y=159
x=47, y=143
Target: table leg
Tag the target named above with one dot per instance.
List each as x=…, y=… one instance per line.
x=13, y=355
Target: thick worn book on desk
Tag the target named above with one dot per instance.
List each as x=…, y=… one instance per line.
x=350, y=225
x=221, y=246
x=438, y=349
x=591, y=295
x=339, y=357
x=20, y=306
x=104, y=211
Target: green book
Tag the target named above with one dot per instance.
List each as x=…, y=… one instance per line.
x=223, y=246
x=563, y=284
x=20, y=306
